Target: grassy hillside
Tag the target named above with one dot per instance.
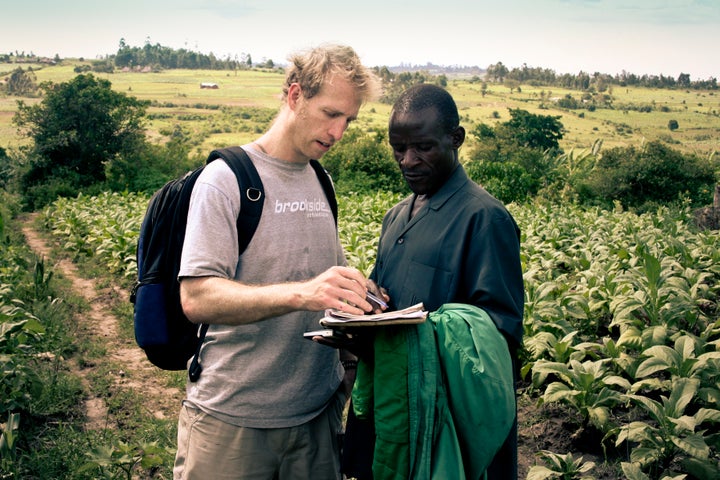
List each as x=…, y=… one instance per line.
x=246, y=100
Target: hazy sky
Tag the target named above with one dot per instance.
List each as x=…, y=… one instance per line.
x=654, y=37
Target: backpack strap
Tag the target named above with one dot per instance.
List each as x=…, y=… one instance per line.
x=327, y=186
x=252, y=196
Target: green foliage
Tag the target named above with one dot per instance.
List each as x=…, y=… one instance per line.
x=396, y=83
x=76, y=129
x=165, y=57
x=587, y=387
x=507, y=181
x=21, y=83
x=515, y=159
x=563, y=467
x=8, y=441
x=569, y=102
x=533, y=131
x=652, y=175
x=568, y=171
x=524, y=129
x=359, y=221
x=105, y=226
x=150, y=166
x=6, y=168
x=363, y=163
x=621, y=307
x=633, y=471
x=672, y=436
x=121, y=459
x=35, y=334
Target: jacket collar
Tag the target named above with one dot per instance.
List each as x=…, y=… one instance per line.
x=457, y=179
x=455, y=182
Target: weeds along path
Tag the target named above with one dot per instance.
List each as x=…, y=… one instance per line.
x=124, y=365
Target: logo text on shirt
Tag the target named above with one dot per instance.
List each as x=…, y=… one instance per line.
x=312, y=207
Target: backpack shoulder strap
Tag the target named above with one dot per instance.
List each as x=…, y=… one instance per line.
x=327, y=186
x=252, y=197
x=252, y=194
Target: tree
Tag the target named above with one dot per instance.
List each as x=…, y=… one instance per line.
x=514, y=159
x=21, y=83
x=534, y=131
x=78, y=127
x=497, y=72
x=683, y=80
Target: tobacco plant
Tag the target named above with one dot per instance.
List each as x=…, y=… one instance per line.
x=673, y=438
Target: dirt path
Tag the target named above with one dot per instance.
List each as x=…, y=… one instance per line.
x=101, y=326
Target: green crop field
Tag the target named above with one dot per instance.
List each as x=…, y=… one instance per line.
x=245, y=101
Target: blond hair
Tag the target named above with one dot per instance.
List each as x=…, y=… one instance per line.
x=311, y=69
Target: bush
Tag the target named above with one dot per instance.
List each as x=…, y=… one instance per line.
x=506, y=181
x=673, y=125
x=569, y=102
x=653, y=174
x=364, y=163
x=149, y=167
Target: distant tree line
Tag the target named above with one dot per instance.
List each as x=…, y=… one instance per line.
x=395, y=83
x=169, y=58
x=158, y=56
x=599, y=82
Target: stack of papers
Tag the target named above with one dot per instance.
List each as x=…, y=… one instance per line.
x=410, y=315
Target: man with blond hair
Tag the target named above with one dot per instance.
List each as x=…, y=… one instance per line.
x=268, y=405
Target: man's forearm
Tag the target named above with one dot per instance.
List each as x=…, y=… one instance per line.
x=216, y=300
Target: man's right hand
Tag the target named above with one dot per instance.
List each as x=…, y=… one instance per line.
x=340, y=288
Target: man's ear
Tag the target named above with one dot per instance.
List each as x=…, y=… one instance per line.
x=294, y=94
x=458, y=136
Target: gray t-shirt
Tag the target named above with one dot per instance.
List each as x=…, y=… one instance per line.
x=263, y=375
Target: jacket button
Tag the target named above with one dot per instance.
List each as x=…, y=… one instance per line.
x=400, y=241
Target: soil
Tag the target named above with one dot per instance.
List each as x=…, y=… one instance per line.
x=539, y=428
x=100, y=324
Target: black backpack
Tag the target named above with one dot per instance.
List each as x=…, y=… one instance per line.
x=168, y=338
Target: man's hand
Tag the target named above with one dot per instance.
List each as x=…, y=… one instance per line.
x=341, y=288
x=358, y=341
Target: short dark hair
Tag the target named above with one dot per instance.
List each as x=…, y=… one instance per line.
x=422, y=96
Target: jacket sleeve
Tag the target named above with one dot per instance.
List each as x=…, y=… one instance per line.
x=495, y=276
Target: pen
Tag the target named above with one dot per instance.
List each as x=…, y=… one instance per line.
x=377, y=300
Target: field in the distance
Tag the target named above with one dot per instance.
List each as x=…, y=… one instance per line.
x=245, y=101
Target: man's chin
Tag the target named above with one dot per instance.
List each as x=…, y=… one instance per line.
x=416, y=187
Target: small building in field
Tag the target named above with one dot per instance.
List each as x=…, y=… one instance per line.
x=213, y=86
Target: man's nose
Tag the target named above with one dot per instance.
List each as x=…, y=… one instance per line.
x=409, y=158
x=337, y=129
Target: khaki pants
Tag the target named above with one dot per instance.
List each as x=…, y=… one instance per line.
x=211, y=449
